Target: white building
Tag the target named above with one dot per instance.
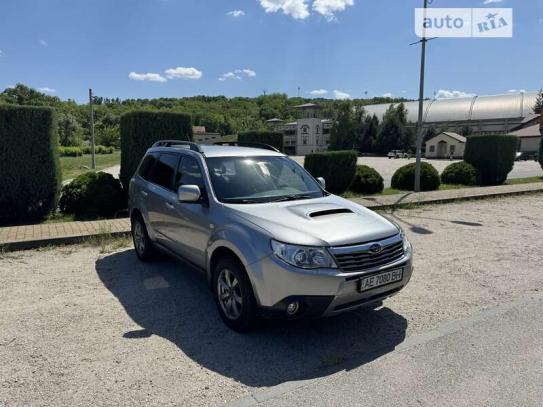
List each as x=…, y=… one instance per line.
x=201, y=136
x=306, y=135
x=445, y=145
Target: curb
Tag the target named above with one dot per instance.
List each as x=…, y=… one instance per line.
x=54, y=241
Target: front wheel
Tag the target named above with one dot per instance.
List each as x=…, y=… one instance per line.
x=234, y=295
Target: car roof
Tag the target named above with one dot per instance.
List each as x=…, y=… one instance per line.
x=225, y=151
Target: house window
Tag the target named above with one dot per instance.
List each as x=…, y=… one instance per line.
x=305, y=129
x=304, y=139
x=452, y=148
x=318, y=129
x=432, y=149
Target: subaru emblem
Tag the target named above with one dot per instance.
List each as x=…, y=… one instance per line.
x=376, y=248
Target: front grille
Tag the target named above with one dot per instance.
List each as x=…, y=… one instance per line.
x=359, y=260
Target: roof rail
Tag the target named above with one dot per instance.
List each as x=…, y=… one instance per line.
x=248, y=144
x=178, y=143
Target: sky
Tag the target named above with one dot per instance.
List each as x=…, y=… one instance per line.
x=326, y=48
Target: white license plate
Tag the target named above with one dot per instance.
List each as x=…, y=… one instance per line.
x=378, y=280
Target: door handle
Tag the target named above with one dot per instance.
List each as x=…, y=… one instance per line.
x=169, y=205
x=144, y=193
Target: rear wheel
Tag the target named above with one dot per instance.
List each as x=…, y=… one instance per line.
x=142, y=244
x=234, y=295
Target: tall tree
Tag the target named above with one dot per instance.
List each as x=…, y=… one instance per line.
x=342, y=133
x=538, y=106
x=368, y=135
x=69, y=130
x=393, y=132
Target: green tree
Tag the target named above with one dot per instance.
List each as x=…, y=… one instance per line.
x=538, y=106
x=466, y=131
x=342, y=133
x=393, y=132
x=69, y=130
x=368, y=134
x=108, y=136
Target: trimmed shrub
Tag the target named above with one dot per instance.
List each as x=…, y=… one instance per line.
x=92, y=194
x=338, y=168
x=264, y=137
x=493, y=156
x=98, y=150
x=140, y=129
x=29, y=167
x=367, y=181
x=404, y=177
x=460, y=173
x=70, y=151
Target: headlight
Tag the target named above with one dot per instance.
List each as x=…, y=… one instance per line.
x=406, y=245
x=303, y=256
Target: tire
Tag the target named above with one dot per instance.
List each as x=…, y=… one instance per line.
x=234, y=295
x=142, y=244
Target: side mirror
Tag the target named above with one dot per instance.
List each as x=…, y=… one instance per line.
x=322, y=182
x=189, y=193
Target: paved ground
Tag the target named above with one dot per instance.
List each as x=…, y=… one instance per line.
x=386, y=167
x=78, y=327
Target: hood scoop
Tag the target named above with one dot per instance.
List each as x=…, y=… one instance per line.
x=327, y=212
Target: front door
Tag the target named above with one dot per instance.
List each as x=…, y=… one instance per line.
x=442, y=149
x=190, y=228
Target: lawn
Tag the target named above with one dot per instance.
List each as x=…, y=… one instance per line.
x=71, y=166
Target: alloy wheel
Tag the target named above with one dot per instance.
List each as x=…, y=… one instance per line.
x=229, y=293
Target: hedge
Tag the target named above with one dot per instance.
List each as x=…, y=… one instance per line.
x=140, y=129
x=493, y=156
x=92, y=194
x=338, y=168
x=29, y=167
x=404, y=177
x=460, y=173
x=266, y=137
x=70, y=151
x=367, y=181
x=540, y=158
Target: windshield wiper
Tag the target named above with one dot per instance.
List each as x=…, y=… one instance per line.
x=291, y=198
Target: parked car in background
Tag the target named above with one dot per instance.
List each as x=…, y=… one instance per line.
x=270, y=238
x=526, y=156
x=398, y=154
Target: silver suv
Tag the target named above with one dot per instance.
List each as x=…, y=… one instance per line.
x=270, y=238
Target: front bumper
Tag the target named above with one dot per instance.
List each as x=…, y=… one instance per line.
x=323, y=292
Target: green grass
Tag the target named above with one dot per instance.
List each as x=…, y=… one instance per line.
x=528, y=180
x=71, y=166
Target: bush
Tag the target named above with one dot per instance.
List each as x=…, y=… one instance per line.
x=404, y=177
x=140, y=129
x=338, y=168
x=70, y=151
x=460, y=173
x=266, y=137
x=92, y=194
x=29, y=167
x=103, y=150
x=540, y=158
x=367, y=181
x=493, y=156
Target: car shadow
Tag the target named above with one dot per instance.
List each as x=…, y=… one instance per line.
x=171, y=299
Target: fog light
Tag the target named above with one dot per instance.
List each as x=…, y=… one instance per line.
x=293, y=307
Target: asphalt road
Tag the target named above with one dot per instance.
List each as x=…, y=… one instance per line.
x=386, y=167
x=493, y=358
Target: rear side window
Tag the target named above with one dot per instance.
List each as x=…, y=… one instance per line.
x=164, y=170
x=146, y=167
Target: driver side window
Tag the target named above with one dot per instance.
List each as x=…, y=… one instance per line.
x=189, y=173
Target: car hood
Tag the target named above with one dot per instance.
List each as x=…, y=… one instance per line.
x=327, y=221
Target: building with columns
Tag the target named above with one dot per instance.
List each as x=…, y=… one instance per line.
x=308, y=134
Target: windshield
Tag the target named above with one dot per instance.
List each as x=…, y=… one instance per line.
x=260, y=179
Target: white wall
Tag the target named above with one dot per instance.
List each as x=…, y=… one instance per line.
x=459, y=147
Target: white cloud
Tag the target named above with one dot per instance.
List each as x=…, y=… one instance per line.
x=43, y=43
x=229, y=75
x=404, y=91
x=236, y=13
x=388, y=95
x=47, y=90
x=298, y=9
x=328, y=8
x=153, y=77
x=249, y=72
x=448, y=94
x=318, y=92
x=341, y=95
x=183, y=73
x=2, y=53
x=492, y=1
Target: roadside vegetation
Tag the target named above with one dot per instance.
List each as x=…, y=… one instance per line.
x=74, y=166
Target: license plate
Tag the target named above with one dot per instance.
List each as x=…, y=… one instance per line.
x=378, y=280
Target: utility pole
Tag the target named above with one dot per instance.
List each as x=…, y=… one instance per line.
x=423, y=42
x=93, y=165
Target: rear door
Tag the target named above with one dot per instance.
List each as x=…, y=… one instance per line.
x=161, y=197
